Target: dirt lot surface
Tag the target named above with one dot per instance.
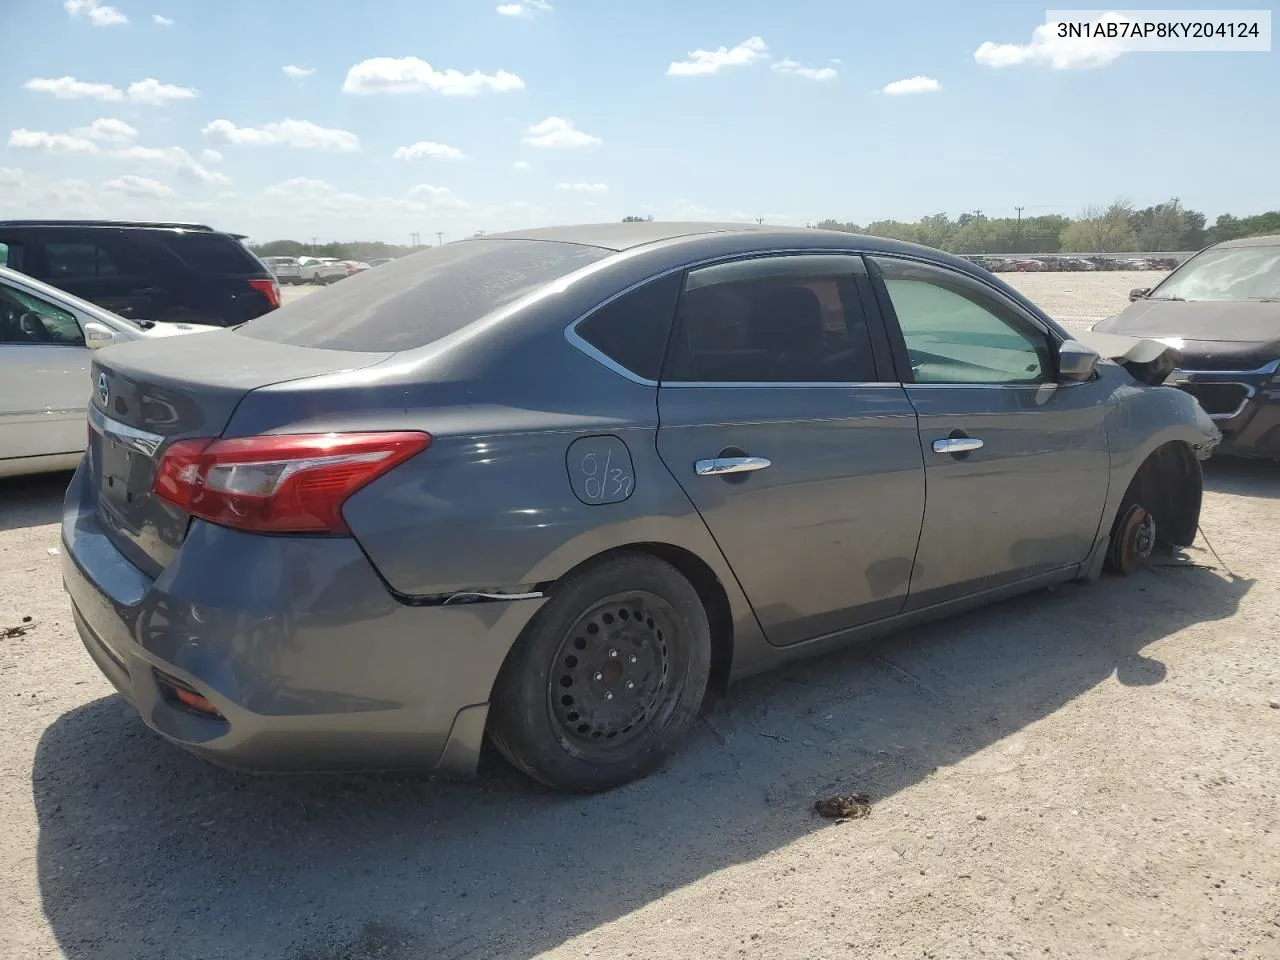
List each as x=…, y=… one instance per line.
x=1086, y=772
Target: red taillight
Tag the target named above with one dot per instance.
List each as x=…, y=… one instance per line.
x=269, y=289
x=279, y=484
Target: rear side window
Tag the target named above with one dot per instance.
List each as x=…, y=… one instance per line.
x=422, y=297
x=783, y=319
x=77, y=261
x=212, y=253
x=631, y=331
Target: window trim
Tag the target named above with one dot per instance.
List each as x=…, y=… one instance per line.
x=898, y=343
x=875, y=322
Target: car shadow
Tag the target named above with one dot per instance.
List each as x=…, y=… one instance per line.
x=147, y=852
x=32, y=501
x=1243, y=478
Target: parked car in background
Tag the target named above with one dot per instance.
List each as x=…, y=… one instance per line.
x=355, y=266
x=166, y=272
x=1221, y=309
x=46, y=338
x=552, y=485
x=286, y=269
x=321, y=270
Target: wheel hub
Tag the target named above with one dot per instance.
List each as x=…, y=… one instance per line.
x=610, y=673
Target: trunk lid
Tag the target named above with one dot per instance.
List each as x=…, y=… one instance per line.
x=147, y=393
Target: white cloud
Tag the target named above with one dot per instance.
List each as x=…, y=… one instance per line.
x=173, y=158
x=809, y=73
x=296, y=72
x=133, y=186
x=559, y=132
x=154, y=93
x=1047, y=47
x=107, y=130
x=520, y=166
x=99, y=14
x=920, y=84
x=69, y=88
x=70, y=191
x=411, y=75
x=301, y=134
x=440, y=198
x=51, y=142
x=298, y=186
x=11, y=177
x=685, y=209
x=160, y=21
x=427, y=150
x=702, y=62
x=583, y=187
x=150, y=91
x=210, y=156
x=524, y=8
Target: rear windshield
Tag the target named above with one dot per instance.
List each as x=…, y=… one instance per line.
x=213, y=253
x=420, y=298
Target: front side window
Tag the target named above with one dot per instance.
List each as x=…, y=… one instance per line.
x=28, y=319
x=1227, y=273
x=956, y=334
x=793, y=319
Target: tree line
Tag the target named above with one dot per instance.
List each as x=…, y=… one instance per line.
x=1117, y=227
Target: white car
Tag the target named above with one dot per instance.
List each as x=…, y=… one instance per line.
x=285, y=269
x=321, y=270
x=46, y=338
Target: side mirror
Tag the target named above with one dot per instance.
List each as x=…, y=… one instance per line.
x=97, y=335
x=1076, y=362
x=1137, y=293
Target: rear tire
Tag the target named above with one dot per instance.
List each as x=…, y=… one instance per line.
x=608, y=677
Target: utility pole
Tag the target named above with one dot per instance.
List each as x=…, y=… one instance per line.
x=313, y=244
x=759, y=219
x=1019, y=227
x=413, y=238
x=439, y=238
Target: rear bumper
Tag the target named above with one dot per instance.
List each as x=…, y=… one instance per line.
x=311, y=662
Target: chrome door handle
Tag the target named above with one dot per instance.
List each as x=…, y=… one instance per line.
x=957, y=445
x=709, y=468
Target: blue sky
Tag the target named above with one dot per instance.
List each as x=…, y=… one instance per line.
x=546, y=111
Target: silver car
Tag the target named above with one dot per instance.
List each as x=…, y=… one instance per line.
x=47, y=337
x=549, y=487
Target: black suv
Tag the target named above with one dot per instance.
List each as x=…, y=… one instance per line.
x=169, y=272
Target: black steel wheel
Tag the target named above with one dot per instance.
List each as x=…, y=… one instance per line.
x=1132, y=540
x=607, y=677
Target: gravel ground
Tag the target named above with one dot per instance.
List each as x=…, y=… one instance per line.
x=1085, y=772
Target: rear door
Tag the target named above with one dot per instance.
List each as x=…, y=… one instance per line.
x=780, y=420
x=1016, y=464
x=44, y=377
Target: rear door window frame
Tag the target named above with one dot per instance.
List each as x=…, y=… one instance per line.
x=881, y=354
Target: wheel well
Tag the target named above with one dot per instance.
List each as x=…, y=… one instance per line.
x=712, y=593
x=1171, y=485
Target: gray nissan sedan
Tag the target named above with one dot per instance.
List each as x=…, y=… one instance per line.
x=546, y=488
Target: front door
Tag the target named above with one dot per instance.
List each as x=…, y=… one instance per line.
x=1016, y=464
x=44, y=370
x=781, y=422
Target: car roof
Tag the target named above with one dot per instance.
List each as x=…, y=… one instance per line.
x=1272, y=240
x=623, y=236
x=118, y=224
